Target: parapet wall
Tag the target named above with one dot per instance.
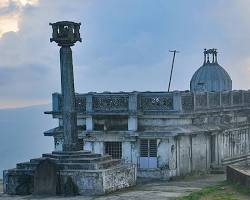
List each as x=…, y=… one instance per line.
x=147, y=102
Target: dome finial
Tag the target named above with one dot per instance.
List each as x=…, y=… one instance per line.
x=215, y=54
x=207, y=53
x=208, y=61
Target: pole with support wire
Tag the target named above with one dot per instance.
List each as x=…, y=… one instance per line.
x=172, y=51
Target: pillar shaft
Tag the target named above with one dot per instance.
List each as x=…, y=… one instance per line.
x=68, y=94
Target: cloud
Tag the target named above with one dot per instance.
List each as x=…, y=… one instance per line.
x=125, y=44
x=11, y=12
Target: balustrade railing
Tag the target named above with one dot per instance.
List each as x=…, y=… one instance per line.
x=145, y=102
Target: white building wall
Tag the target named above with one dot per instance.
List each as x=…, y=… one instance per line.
x=135, y=152
x=127, y=152
x=184, y=157
x=167, y=153
x=88, y=146
x=132, y=123
x=199, y=152
x=81, y=122
x=98, y=147
x=163, y=153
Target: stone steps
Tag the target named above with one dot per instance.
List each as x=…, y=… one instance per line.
x=62, y=166
x=75, y=160
x=65, y=156
x=217, y=169
x=74, y=166
x=82, y=160
x=77, y=166
x=107, y=164
x=71, y=152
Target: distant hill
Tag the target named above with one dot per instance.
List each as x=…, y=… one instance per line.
x=21, y=134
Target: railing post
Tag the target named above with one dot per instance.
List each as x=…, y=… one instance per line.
x=132, y=107
x=177, y=101
x=89, y=110
x=194, y=95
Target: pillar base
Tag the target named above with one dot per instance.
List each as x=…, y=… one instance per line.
x=71, y=147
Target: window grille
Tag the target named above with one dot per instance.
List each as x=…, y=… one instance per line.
x=148, y=148
x=114, y=149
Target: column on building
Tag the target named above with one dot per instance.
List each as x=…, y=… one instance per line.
x=132, y=118
x=177, y=101
x=89, y=110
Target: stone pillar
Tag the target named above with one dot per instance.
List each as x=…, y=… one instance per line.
x=132, y=118
x=132, y=123
x=68, y=94
x=177, y=101
x=65, y=34
x=126, y=152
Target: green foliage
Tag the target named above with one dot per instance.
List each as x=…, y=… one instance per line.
x=204, y=192
x=223, y=191
x=241, y=189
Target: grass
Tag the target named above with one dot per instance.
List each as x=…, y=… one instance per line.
x=222, y=191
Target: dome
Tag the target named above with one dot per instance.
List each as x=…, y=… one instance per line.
x=210, y=76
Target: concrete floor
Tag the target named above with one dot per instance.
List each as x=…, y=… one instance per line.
x=155, y=190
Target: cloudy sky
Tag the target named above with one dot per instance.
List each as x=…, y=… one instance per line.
x=125, y=45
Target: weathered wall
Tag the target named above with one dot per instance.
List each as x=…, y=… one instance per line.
x=166, y=153
x=121, y=178
x=98, y=147
x=193, y=153
x=95, y=147
x=163, y=174
x=156, y=123
x=234, y=142
x=184, y=155
x=88, y=182
x=199, y=152
x=127, y=152
x=88, y=146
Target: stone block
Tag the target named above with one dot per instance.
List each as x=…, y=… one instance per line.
x=45, y=178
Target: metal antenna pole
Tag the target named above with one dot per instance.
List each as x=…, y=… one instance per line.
x=173, y=51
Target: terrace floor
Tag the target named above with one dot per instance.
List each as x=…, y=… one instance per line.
x=145, y=189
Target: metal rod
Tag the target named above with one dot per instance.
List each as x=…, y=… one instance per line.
x=174, y=51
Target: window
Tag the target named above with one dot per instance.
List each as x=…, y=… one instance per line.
x=148, y=153
x=148, y=148
x=114, y=149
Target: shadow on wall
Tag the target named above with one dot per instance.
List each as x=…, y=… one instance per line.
x=21, y=134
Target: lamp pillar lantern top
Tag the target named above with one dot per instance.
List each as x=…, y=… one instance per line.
x=66, y=34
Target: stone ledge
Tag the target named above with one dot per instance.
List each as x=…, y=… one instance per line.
x=239, y=174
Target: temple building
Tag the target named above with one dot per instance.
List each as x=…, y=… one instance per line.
x=166, y=134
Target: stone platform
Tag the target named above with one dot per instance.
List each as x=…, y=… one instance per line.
x=69, y=173
x=239, y=174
